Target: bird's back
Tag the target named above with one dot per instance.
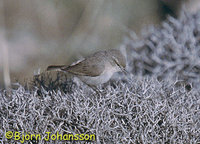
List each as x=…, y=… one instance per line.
x=90, y=66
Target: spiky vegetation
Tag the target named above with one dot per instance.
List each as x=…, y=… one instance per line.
x=158, y=103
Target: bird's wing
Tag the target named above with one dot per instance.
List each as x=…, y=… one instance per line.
x=55, y=67
x=90, y=66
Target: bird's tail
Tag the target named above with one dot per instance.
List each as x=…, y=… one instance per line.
x=55, y=67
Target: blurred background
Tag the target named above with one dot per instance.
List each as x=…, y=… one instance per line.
x=38, y=33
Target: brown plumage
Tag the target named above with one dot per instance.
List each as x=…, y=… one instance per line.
x=96, y=68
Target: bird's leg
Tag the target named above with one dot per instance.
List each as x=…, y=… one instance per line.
x=98, y=92
x=94, y=88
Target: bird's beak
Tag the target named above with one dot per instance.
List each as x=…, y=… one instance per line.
x=122, y=69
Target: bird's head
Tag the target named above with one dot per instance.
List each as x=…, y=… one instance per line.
x=118, y=59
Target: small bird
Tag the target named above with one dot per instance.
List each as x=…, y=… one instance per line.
x=97, y=68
